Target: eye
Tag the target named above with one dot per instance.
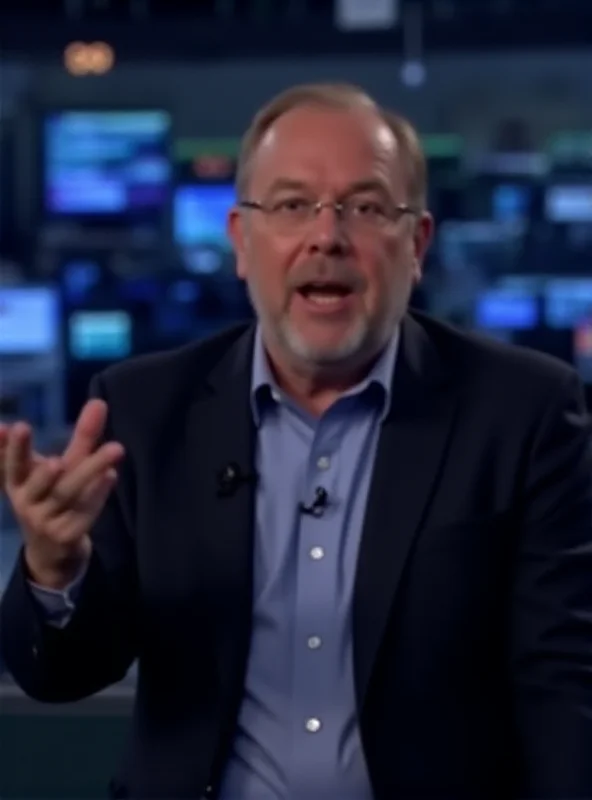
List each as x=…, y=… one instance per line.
x=372, y=209
x=291, y=205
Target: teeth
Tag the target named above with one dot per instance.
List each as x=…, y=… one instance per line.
x=323, y=298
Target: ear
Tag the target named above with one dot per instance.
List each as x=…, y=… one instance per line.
x=422, y=239
x=235, y=229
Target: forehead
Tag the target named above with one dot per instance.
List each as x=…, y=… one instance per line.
x=326, y=147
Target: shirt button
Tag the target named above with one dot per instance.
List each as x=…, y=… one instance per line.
x=317, y=553
x=314, y=642
x=313, y=725
x=324, y=462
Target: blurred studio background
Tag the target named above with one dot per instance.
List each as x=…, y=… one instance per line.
x=119, y=127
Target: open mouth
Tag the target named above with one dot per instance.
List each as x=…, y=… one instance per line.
x=325, y=293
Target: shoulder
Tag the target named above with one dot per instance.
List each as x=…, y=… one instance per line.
x=167, y=377
x=483, y=362
x=506, y=394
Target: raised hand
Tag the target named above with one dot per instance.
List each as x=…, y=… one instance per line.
x=57, y=499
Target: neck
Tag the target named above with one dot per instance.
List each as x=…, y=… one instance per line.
x=312, y=387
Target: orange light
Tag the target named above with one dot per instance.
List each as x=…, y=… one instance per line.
x=94, y=58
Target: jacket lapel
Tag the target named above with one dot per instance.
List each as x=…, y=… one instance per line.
x=410, y=452
x=221, y=433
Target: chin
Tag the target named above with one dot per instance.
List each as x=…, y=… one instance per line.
x=327, y=353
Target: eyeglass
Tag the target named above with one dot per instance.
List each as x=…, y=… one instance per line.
x=294, y=213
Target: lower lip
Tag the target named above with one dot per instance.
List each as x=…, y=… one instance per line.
x=328, y=306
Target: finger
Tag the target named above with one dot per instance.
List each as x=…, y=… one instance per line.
x=94, y=497
x=35, y=460
x=87, y=432
x=4, y=431
x=44, y=475
x=77, y=521
x=68, y=490
x=18, y=460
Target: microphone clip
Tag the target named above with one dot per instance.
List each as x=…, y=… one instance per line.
x=318, y=505
x=230, y=478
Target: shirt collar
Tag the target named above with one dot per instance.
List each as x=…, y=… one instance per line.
x=265, y=389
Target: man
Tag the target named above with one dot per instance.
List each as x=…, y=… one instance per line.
x=351, y=548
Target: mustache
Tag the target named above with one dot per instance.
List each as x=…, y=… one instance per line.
x=338, y=272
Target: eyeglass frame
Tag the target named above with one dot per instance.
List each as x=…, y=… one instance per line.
x=338, y=207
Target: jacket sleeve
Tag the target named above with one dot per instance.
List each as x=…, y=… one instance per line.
x=99, y=642
x=552, y=606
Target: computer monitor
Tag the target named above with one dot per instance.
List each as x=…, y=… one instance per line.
x=99, y=335
x=486, y=247
x=502, y=198
x=29, y=320
x=568, y=302
x=566, y=204
x=503, y=309
x=200, y=213
x=512, y=202
x=105, y=164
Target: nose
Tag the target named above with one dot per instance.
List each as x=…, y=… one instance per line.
x=327, y=233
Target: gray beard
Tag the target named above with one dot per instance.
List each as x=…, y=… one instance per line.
x=362, y=343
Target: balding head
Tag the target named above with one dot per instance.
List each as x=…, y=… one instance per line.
x=336, y=97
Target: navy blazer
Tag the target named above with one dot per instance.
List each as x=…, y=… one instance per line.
x=472, y=617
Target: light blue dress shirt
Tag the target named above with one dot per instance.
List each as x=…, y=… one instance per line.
x=297, y=736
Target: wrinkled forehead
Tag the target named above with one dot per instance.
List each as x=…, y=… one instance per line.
x=326, y=147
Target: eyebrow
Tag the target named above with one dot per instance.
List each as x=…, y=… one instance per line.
x=367, y=185
x=285, y=184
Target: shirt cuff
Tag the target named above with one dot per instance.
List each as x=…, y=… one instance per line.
x=58, y=605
